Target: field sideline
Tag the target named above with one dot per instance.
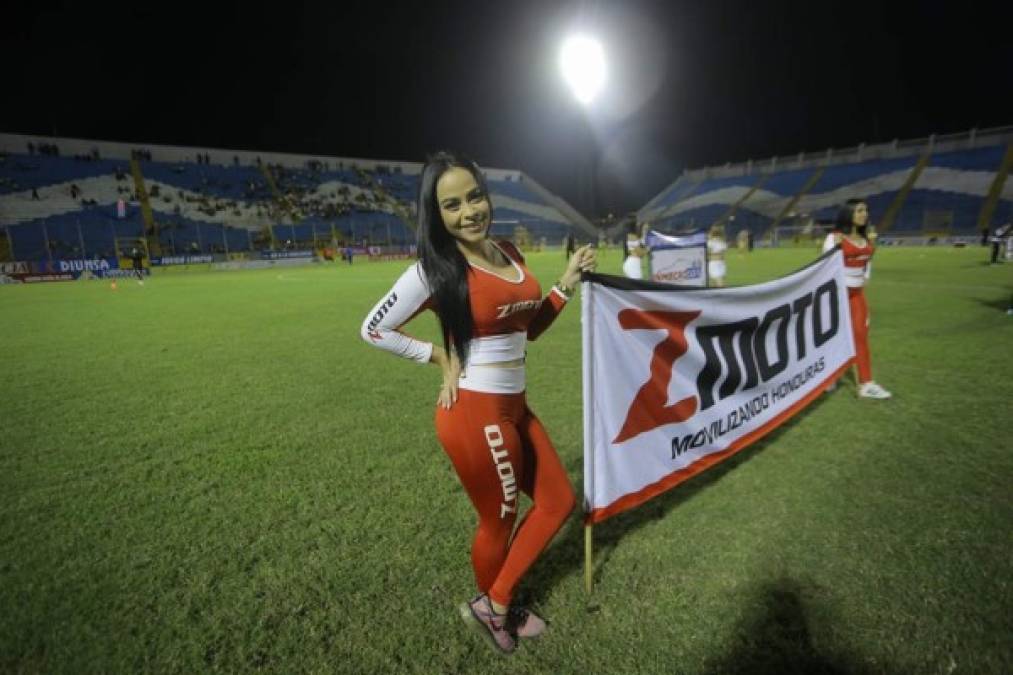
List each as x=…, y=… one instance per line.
x=212, y=473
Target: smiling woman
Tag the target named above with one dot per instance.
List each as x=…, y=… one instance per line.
x=488, y=305
x=464, y=205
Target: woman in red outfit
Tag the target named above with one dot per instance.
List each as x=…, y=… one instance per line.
x=488, y=305
x=851, y=233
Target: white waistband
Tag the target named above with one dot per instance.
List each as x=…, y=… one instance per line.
x=497, y=348
x=854, y=277
x=490, y=380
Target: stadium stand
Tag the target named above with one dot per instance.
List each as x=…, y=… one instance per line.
x=699, y=203
x=950, y=186
x=220, y=202
x=951, y=191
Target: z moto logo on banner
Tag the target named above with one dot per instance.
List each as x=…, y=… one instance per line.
x=707, y=372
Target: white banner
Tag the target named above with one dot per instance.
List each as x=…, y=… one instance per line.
x=676, y=380
x=677, y=259
x=18, y=267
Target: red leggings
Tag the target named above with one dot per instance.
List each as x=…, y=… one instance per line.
x=860, y=329
x=499, y=448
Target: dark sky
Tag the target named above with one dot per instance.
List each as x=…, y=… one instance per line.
x=691, y=83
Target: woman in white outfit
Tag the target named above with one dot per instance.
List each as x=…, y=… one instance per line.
x=716, y=248
x=635, y=251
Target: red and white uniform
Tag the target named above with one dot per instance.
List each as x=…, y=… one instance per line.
x=506, y=314
x=497, y=446
x=857, y=269
x=857, y=259
x=716, y=267
x=631, y=266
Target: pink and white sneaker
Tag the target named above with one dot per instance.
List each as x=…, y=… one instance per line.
x=491, y=626
x=524, y=623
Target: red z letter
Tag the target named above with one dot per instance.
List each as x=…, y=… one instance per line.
x=648, y=409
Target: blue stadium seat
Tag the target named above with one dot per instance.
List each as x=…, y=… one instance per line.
x=948, y=195
x=952, y=189
x=214, y=207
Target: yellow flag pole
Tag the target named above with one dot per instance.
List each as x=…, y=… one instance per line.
x=588, y=559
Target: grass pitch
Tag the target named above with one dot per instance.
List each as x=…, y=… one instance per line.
x=212, y=473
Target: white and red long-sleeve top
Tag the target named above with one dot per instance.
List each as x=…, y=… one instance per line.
x=506, y=313
x=857, y=259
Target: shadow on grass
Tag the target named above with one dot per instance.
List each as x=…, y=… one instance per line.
x=773, y=637
x=566, y=556
x=1001, y=304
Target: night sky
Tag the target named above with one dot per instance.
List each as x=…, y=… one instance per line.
x=691, y=83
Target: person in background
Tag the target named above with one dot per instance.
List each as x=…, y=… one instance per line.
x=716, y=248
x=633, y=253
x=850, y=233
x=137, y=260
x=740, y=240
x=1002, y=233
x=489, y=305
x=571, y=245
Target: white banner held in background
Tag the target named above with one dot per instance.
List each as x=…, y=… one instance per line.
x=676, y=380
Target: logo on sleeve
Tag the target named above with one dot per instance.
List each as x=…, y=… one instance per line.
x=381, y=312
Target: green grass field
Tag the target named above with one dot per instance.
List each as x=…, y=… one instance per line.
x=212, y=473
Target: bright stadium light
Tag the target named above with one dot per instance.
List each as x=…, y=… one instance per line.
x=582, y=61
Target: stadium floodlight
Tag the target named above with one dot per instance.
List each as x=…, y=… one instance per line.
x=582, y=61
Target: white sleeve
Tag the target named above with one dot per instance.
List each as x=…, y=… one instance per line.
x=868, y=270
x=404, y=301
x=829, y=243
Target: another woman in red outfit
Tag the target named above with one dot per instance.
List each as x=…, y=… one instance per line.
x=851, y=232
x=488, y=305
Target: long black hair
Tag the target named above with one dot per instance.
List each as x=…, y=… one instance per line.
x=445, y=266
x=846, y=217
